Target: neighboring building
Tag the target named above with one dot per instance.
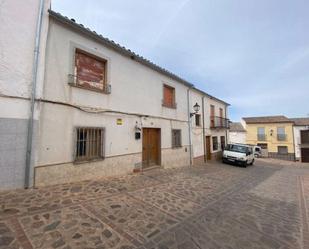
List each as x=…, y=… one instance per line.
x=273, y=133
x=102, y=110
x=209, y=127
x=301, y=138
x=237, y=133
x=19, y=21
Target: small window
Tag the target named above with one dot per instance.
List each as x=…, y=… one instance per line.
x=282, y=150
x=89, y=143
x=169, y=96
x=90, y=71
x=197, y=119
x=214, y=143
x=176, y=138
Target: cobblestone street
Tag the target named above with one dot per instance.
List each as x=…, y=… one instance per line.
x=214, y=206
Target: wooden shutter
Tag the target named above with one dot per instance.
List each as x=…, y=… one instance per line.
x=90, y=71
x=168, y=96
x=212, y=116
x=305, y=137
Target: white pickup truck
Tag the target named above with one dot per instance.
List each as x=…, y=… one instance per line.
x=241, y=154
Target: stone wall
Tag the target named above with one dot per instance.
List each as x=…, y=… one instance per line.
x=70, y=172
x=173, y=158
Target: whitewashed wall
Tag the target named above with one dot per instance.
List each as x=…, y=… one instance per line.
x=237, y=137
x=135, y=89
x=17, y=41
x=297, y=139
x=197, y=132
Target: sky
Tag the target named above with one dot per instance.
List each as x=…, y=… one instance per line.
x=253, y=54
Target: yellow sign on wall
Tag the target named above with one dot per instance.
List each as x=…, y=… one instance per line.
x=119, y=121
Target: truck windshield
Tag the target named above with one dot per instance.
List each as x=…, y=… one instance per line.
x=236, y=148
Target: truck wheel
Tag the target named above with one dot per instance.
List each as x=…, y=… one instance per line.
x=252, y=162
x=245, y=164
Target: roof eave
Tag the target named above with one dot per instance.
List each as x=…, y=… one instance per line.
x=116, y=47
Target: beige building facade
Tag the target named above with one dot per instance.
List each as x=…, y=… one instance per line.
x=273, y=133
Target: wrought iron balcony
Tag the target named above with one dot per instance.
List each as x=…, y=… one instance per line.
x=281, y=137
x=219, y=122
x=261, y=137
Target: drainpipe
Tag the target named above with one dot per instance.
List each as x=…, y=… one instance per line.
x=204, y=141
x=33, y=93
x=190, y=125
x=226, y=139
x=294, y=143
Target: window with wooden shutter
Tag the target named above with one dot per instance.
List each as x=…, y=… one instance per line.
x=221, y=117
x=176, y=138
x=169, y=96
x=89, y=144
x=304, y=134
x=212, y=116
x=90, y=71
x=197, y=119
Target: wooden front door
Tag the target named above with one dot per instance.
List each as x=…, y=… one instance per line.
x=305, y=155
x=208, y=151
x=151, y=147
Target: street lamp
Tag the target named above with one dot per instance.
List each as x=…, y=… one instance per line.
x=196, y=108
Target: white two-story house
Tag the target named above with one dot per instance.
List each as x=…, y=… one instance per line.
x=103, y=110
x=209, y=127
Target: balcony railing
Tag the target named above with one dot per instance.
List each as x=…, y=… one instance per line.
x=219, y=122
x=261, y=137
x=281, y=137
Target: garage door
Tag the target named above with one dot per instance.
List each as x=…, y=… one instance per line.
x=305, y=155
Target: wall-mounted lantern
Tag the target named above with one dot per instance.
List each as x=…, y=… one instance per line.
x=271, y=132
x=196, y=109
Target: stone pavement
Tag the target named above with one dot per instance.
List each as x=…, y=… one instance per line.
x=213, y=206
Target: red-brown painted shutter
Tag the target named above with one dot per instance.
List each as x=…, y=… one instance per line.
x=168, y=96
x=90, y=72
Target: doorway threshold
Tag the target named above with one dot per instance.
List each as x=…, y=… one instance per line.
x=151, y=168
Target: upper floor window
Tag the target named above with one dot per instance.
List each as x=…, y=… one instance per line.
x=197, y=119
x=261, y=134
x=169, y=96
x=90, y=71
x=212, y=115
x=281, y=136
x=221, y=117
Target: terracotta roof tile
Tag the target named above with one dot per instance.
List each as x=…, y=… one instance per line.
x=300, y=121
x=236, y=127
x=267, y=119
